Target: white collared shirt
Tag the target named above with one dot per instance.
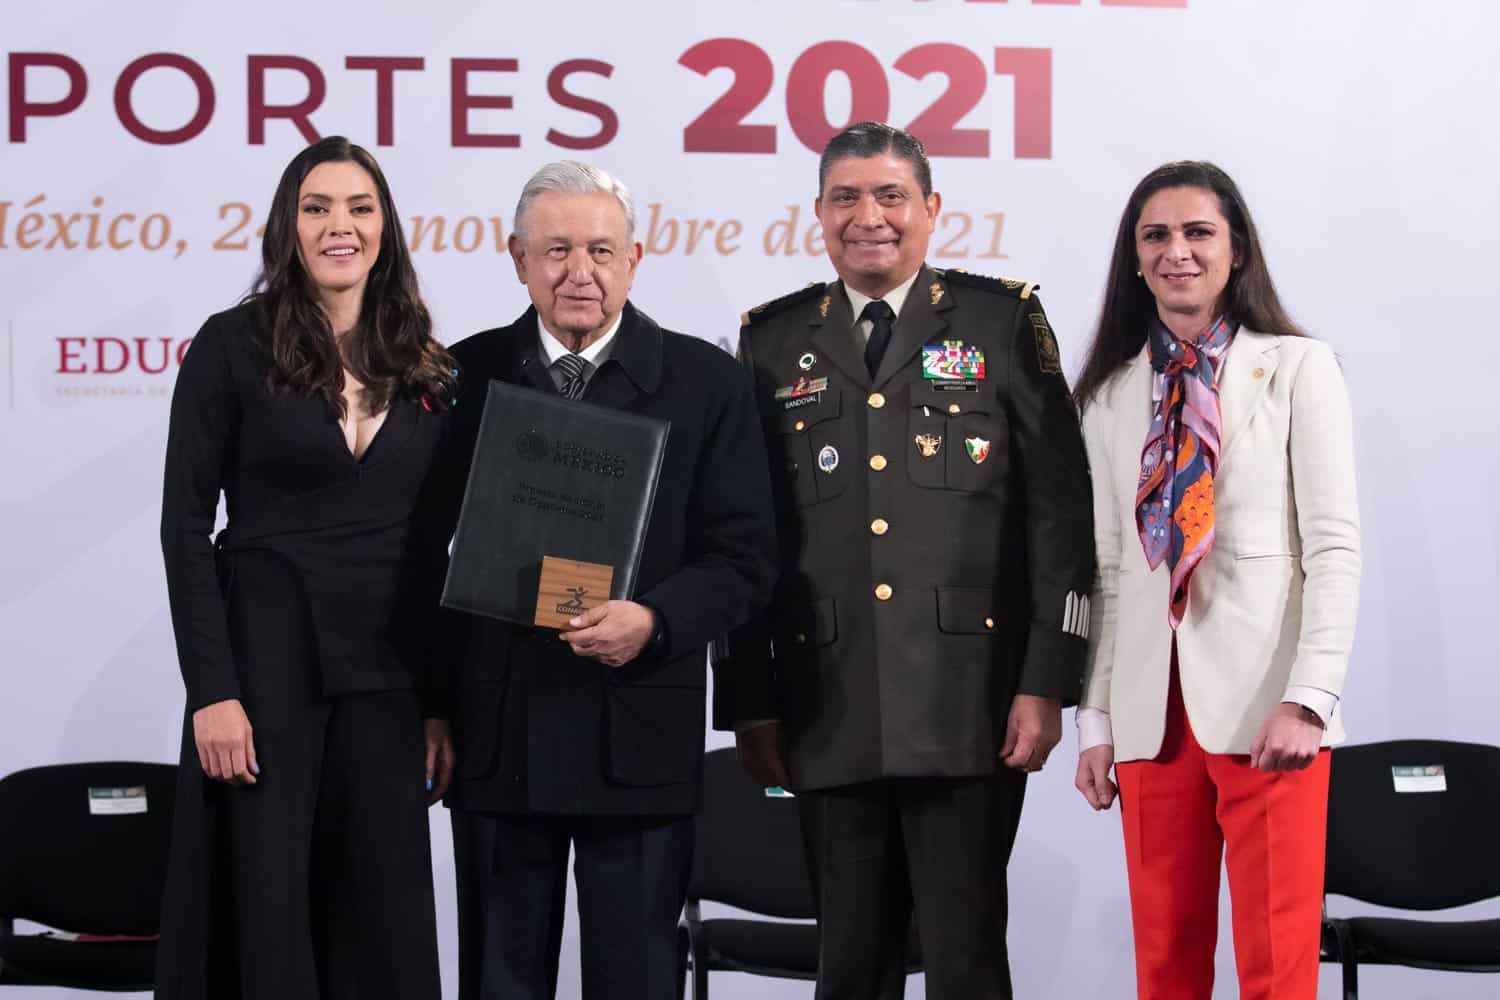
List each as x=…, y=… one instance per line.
x=595, y=354
x=895, y=298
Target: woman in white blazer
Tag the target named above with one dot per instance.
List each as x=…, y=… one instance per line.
x=1220, y=441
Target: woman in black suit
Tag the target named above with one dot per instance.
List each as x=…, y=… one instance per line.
x=300, y=864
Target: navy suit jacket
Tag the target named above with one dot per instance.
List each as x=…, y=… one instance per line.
x=541, y=730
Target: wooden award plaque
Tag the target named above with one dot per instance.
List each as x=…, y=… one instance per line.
x=569, y=588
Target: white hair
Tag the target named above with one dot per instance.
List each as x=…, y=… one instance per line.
x=573, y=177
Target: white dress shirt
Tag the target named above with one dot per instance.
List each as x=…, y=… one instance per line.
x=895, y=298
x=595, y=354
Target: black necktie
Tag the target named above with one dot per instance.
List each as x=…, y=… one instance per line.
x=882, y=318
x=573, y=368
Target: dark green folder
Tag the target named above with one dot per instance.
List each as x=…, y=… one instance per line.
x=551, y=477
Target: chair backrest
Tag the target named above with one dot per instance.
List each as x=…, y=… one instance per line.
x=1393, y=844
x=747, y=847
x=82, y=849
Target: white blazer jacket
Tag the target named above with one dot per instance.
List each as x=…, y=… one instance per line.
x=1273, y=604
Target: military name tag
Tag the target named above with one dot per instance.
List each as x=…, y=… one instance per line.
x=804, y=386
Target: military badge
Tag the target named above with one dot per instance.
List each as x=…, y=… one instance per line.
x=823, y=306
x=979, y=449
x=937, y=292
x=928, y=444
x=804, y=386
x=807, y=361
x=828, y=458
x=951, y=361
x=1047, y=356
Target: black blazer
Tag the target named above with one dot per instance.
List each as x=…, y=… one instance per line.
x=936, y=532
x=541, y=730
x=303, y=513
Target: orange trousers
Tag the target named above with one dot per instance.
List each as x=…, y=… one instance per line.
x=1181, y=811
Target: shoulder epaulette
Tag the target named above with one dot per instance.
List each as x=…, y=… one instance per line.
x=1006, y=286
x=765, y=309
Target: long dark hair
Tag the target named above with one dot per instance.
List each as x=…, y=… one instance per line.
x=1250, y=297
x=391, y=349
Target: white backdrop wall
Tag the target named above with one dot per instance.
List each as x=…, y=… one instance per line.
x=1361, y=131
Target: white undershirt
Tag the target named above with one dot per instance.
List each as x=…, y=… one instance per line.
x=595, y=354
x=895, y=298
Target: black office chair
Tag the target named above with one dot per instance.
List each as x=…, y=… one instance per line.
x=747, y=853
x=1413, y=850
x=83, y=850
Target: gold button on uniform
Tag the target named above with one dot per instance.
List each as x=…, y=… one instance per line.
x=877, y=462
x=879, y=526
x=876, y=400
x=801, y=425
x=989, y=623
x=1258, y=373
x=883, y=592
x=953, y=407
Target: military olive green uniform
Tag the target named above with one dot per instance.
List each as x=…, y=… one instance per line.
x=936, y=539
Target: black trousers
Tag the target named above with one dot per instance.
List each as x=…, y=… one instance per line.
x=631, y=875
x=883, y=852
x=328, y=856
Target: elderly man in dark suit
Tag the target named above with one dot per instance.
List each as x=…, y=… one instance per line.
x=594, y=740
x=933, y=505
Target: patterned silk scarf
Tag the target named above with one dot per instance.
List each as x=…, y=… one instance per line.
x=1174, y=499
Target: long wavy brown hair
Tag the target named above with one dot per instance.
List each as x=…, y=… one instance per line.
x=1250, y=297
x=391, y=349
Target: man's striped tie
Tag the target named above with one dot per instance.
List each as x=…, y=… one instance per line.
x=573, y=368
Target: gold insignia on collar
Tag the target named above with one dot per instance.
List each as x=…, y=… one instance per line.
x=823, y=306
x=937, y=292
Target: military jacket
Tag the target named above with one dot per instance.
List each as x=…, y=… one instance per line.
x=935, y=527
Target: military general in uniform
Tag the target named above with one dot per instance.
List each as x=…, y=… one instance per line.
x=934, y=514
